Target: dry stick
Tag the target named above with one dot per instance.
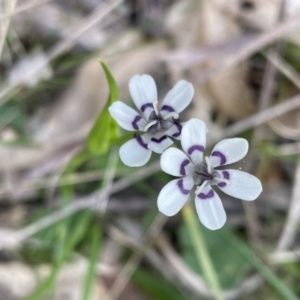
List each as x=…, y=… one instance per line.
x=4, y=27
x=61, y=47
x=23, y=8
x=132, y=264
x=135, y=245
x=285, y=257
x=262, y=117
x=284, y=67
x=253, y=46
x=17, y=237
x=252, y=219
x=290, y=228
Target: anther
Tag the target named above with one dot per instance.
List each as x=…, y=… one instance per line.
x=150, y=124
x=171, y=114
x=223, y=180
x=155, y=106
x=200, y=188
x=208, y=164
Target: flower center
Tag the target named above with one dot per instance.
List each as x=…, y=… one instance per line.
x=158, y=123
x=204, y=173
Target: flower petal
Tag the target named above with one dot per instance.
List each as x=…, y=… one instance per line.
x=242, y=185
x=143, y=92
x=174, y=195
x=193, y=139
x=126, y=117
x=228, y=151
x=175, y=131
x=159, y=143
x=210, y=208
x=176, y=163
x=178, y=98
x=135, y=152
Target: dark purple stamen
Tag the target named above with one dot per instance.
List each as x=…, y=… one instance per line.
x=221, y=156
x=134, y=122
x=145, y=106
x=159, y=140
x=194, y=148
x=226, y=176
x=203, y=196
x=181, y=187
x=209, y=176
x=183, y=165
x=167, y=108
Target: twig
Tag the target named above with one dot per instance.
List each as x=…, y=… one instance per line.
x=289, y=149
x=136, y=258
x=293, y=218
x=23, y=8
x=285, y=257
x=262, y=117
x=4, y=27
x=127, y=241
x=284, y=67
x=16, y=237
x=61, y=47
x=185, y=274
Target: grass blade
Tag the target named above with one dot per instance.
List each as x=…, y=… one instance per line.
x=91, y=272
x=202, y=252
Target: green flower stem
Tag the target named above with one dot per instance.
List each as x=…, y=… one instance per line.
x=204, y=259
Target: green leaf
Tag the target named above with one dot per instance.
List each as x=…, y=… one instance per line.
x=105, y=128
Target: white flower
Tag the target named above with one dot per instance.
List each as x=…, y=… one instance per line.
x=158, y=124
x=202, y=174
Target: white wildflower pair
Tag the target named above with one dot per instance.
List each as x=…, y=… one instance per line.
x=159, y=126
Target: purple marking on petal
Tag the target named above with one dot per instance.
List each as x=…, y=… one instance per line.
x=134, y=122
x=141, y=142
x=179, y=127
x=221, y=156
x=183, y=165
x=181, y=187
x=145, y=106
x=159, y=140
x=226, y=176
x=194, y=148
x=167, y=108
x=209, y=195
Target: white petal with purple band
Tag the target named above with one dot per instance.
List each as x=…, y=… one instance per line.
x=242, y=185
x=143, y=92
x=193, y=139
x=126, y=117
x=159, y=143
x=228, y=151
x=176, y=163
x=135, y=152
x=174, y=195
x=175, y=130
x=210, y=208
x=178, y=98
